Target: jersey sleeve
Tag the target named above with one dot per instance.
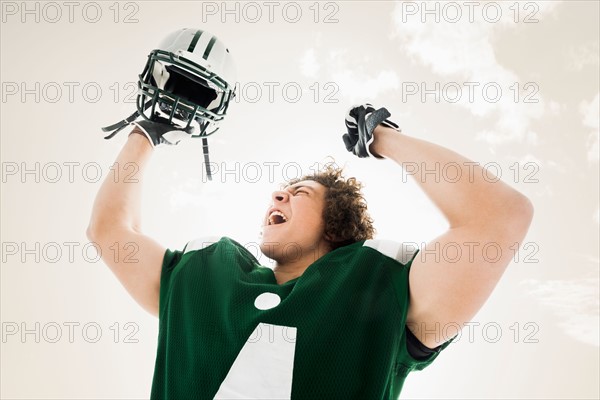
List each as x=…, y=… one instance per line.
x=172, y=258
x=413, y=354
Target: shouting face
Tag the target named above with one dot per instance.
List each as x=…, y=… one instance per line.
x=293, y=226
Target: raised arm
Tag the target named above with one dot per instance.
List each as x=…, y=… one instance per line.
x=485, y=217
x=115, y=225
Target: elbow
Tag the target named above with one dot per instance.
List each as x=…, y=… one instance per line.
x=519, y=214
x=529, y=209
x=91, y=232
x=104, y=231
x=95, y=231
x=524, y=209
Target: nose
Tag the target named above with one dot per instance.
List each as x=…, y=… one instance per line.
x=280, y=196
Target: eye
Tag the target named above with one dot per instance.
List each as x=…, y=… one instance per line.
x=300, y=191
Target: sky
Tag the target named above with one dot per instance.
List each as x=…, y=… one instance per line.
x=511, y=85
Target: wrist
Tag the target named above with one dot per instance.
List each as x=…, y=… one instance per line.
x=381, y=137
x=139, y=137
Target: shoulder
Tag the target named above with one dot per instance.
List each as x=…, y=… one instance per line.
x=401, y=252
x=208, y=241
x=219, y=249
x=174, y=257
x=201, y=243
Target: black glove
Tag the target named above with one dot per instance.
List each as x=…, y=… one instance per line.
x=360, y=123
x=160, y=132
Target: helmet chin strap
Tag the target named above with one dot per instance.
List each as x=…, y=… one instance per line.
x=206, y=160
x=117, y=127
x=205, y=151
x=123, y=123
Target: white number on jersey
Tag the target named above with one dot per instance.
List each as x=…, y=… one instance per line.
x=264, y=367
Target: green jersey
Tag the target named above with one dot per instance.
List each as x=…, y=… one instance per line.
x=228, y=330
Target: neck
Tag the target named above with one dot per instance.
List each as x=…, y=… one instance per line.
x=286, y=270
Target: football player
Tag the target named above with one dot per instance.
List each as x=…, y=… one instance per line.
x=341, y=315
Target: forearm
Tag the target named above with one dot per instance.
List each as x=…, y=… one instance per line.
x=118, y=201
x=463, y=195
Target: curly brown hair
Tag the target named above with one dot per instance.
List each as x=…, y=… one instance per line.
x=345, y=212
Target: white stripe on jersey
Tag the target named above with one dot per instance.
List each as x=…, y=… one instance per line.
x=200, y=243
x=401, y=252
x=264, y=368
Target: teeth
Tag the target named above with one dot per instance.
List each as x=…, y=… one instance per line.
x=278, y=213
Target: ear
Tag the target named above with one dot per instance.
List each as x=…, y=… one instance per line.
x=333, y=240
x=329, y=237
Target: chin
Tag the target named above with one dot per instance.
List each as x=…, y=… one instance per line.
x=274, y=235
x=278, y=246
x=269, y=249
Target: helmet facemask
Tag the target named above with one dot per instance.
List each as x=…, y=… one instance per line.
x=182, y=93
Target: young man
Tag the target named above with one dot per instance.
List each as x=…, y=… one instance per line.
x=339, y=316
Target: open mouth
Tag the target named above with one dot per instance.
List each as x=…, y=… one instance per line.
x=276, y=218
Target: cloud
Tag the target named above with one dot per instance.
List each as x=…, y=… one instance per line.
x=591, y=119
x=355, y=79
x=574, y=301
x=582, y=55
x=555, y=108
x=590, y=259
x=530, y=158
x=465, y=50
x=309, y=66
x=358, y=86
